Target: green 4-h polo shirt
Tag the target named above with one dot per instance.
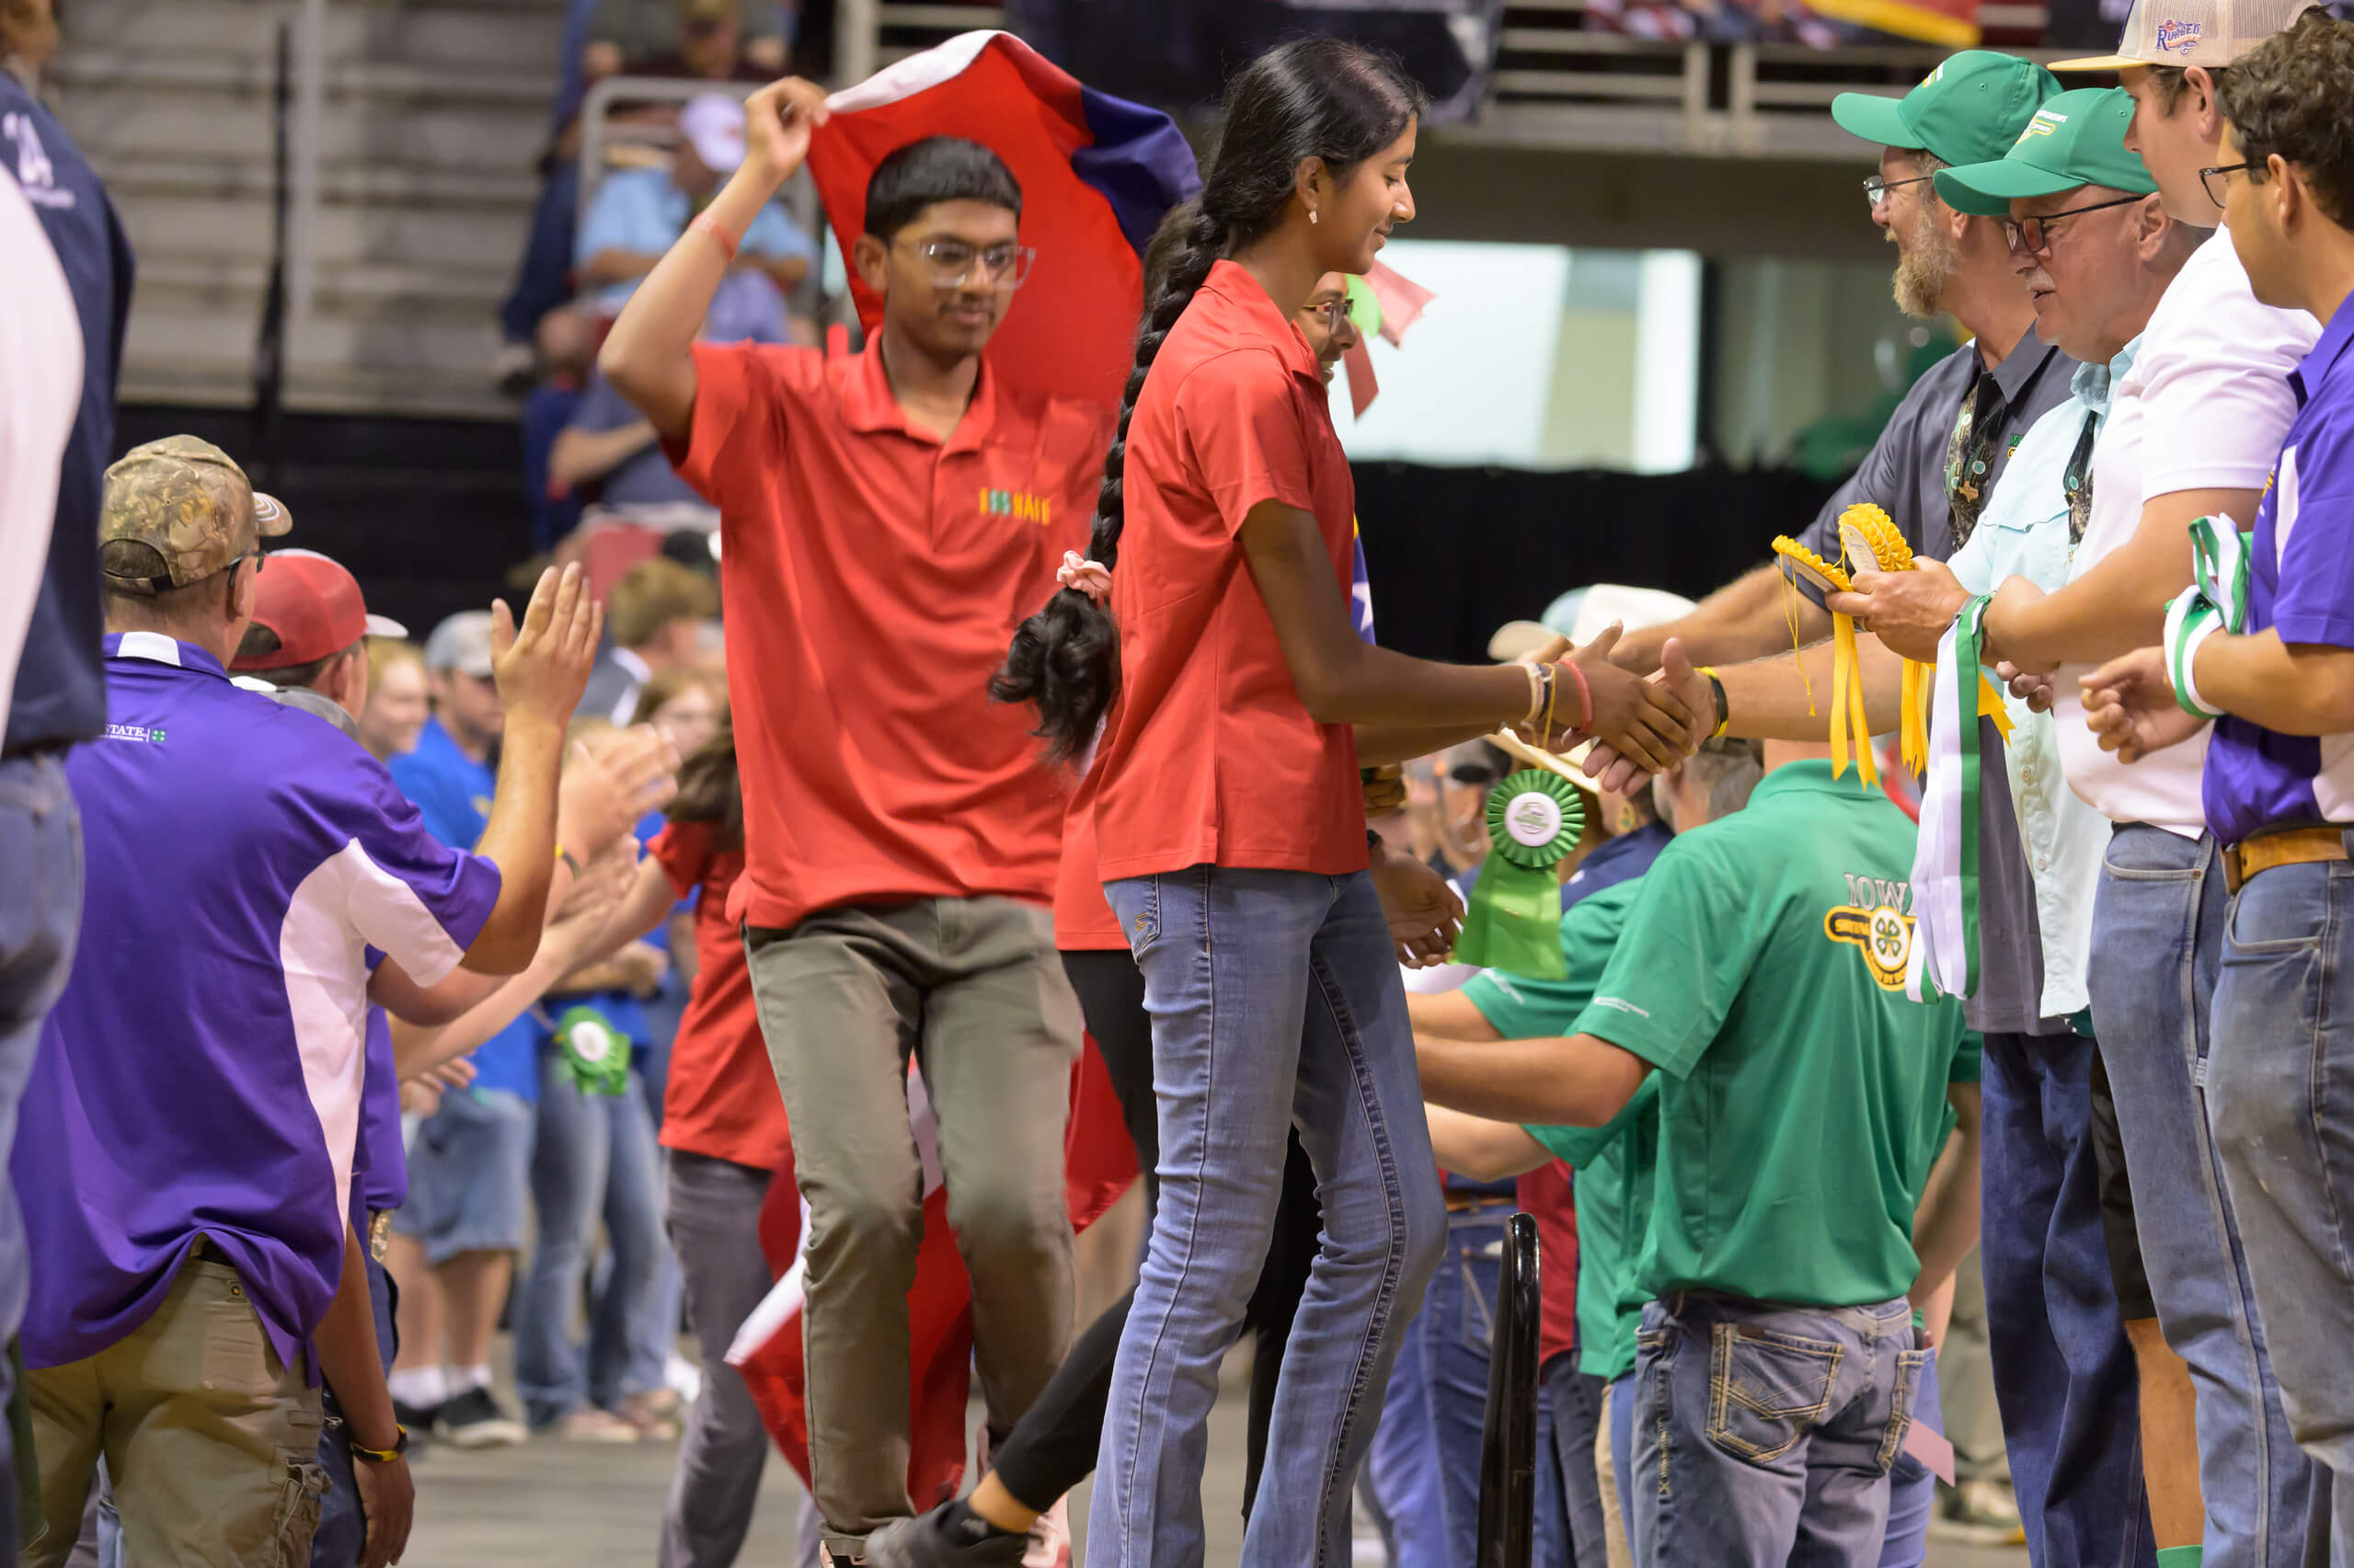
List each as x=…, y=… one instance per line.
x=1613, y=1162
x=1802, y=1094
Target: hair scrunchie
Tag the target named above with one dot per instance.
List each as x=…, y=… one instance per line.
x=1090, y=577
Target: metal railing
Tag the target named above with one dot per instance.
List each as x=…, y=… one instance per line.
x=1561, y=83
x=1507, y=1531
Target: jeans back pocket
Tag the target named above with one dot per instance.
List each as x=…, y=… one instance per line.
x=1766, y=1389
x=1909, y=1364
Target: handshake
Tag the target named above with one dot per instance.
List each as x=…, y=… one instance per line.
x=1638, y=726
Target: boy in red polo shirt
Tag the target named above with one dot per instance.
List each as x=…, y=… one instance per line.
x=887, y=519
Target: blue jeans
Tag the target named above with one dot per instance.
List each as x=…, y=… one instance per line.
x=2064, y=1374
x=40, y=917
x=2284, y=1061
x=343, y=1534
x=1912, y=1486
x=1765, y=1433
x=1275, y=1002
x=1401, y=1481
x=1573, y=1408
x=1425, y=1460
x=594, y=1154
x=2158, y=939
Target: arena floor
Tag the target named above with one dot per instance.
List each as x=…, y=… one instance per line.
x=590, y=1506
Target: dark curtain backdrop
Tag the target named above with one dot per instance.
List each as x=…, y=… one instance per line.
x=1455, y=553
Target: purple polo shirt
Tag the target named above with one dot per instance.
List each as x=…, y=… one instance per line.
x=2303, y=585
x=201, y=1076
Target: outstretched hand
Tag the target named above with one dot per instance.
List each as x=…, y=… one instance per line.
x=541, y=667
x=1638, y=718
x=1615, y=771
x=2130, y=704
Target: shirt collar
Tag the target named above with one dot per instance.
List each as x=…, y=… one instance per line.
x=2029, y=355
x=640, y=670
x=154, y=648
x=2092, y=383
x=1609, y=853
x=869, y=406
x=2327, y=350
x=1811, y=776
x=1254, y=314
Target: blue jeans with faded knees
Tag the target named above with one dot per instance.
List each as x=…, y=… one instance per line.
x=2157, y=940
x=1276, y=1002
x=1765, y=1433
x=2282, y=1097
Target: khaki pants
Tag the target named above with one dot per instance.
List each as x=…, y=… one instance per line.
x=211, y=1442
x=973, y=989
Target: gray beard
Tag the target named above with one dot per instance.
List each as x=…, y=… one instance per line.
x=1924, y=270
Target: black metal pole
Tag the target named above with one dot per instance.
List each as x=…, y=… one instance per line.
x=1508, y=1446
x=270, y=346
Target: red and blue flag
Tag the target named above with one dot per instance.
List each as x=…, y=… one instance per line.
x=1098, y=175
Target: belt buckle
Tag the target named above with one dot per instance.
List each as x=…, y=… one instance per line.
x=2234, y=874
x=379, y=1233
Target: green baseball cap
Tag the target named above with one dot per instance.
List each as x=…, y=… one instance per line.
x=1970, y=110
x=2077, y=139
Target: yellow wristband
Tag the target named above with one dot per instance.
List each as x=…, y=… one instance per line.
x=1724, y=709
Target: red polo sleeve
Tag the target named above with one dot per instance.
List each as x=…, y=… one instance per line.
x=1241, y=418
x=736, y=431
x=683, y=851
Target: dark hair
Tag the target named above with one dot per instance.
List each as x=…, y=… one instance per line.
x=2170, y=82
x=710, y=790
x=936, y=169
x=261, y=641
x=1318, y=97
x=2289, y=96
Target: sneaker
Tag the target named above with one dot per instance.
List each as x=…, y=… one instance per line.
x=475, y=1420
x=950, y=1536
x=1977, y=1513
x=418, y=1424
x=1048, y=1545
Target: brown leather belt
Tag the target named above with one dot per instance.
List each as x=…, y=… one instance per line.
x=2290, y=846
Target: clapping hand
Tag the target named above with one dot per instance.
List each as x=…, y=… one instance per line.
x=607, y=789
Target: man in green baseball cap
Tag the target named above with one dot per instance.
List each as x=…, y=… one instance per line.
x=1942, y=451
x=2068, y=194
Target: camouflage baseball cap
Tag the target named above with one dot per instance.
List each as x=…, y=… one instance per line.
x=175, y=512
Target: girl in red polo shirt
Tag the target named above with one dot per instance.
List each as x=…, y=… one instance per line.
x=1229, y=820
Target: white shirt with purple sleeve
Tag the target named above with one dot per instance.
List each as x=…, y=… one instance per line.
x=200, y=1077
x=2303, y=586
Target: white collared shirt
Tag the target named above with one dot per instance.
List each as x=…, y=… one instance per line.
x=2204, y=406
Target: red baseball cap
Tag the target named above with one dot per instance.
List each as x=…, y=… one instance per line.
x=314, y=606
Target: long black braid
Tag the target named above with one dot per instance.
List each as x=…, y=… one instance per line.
x=1312, y=98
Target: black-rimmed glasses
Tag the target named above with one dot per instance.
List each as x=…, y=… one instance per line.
x=2218, y=181
x=953, y=261
x=1876, y=189
x=2034, y=235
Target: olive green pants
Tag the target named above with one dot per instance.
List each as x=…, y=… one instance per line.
x=973, y=990
x=212, y=1442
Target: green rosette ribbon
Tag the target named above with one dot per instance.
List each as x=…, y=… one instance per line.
x=594, y=1052
x=1514, y=922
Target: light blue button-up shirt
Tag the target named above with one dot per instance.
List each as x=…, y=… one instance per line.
x=2024, y=533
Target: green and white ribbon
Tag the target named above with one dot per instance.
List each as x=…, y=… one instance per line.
x=2221, y=557
x=593, y=1051
x=1945, y=863
x=1514, y=920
